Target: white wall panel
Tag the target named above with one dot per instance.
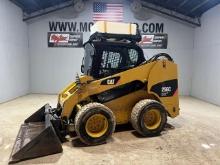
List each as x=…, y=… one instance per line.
x=206, y=58
x=14, y=63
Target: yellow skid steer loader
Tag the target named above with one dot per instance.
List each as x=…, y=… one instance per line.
x=118, y=86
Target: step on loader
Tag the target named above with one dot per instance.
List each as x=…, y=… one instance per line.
x=118, y=86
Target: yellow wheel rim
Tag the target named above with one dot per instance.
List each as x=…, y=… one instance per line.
x=152, y=119
x=96, y=125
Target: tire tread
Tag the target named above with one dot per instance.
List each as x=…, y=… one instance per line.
x=136, y=111
x=85, y=109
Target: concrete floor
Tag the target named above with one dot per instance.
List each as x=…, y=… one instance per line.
x=191, y=138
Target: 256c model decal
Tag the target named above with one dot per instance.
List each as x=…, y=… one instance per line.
x=166, y=88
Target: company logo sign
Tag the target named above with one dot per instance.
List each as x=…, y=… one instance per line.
x=65, y=39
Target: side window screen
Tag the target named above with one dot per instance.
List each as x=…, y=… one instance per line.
x=110, y=60
x=133, y=56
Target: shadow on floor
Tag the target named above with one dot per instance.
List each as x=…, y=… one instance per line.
x=119, y=128
x=128, y=127
x=169, y=127
x=51, y=159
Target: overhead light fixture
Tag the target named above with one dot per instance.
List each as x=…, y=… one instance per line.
x=79, y=6
x=136, y=6
x=72, y=12
x=139, y=11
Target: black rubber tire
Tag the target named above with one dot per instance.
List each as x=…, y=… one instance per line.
x=82, y=116
x=137, y=115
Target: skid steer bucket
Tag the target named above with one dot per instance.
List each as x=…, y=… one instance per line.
x=37, y=137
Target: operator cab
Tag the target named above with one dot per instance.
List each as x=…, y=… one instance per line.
x=105, y=57
x=112, y=49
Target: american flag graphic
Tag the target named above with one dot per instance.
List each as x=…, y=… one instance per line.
x=107, y=12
